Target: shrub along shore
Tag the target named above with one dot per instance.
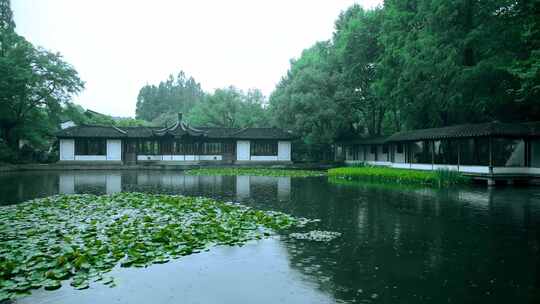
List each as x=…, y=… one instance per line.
x=436, y=178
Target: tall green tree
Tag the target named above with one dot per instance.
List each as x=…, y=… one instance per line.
x=34, y=83
x=176, y=94
x=304, y=99
x=357, y=47
x=230, y=108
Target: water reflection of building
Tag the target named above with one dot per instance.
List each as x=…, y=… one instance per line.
x=244, y=186
x=89, y=181
x=99, y=182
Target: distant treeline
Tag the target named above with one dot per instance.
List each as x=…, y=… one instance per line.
x=409, y=64
x=226, y=107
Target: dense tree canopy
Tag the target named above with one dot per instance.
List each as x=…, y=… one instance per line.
x=415, y=64
x=34, y=85
x=230, y=108
x=408, y=64
x=176, y=94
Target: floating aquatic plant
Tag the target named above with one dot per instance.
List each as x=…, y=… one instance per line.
x=81, y=237
x=255, y=172
x=316, y=235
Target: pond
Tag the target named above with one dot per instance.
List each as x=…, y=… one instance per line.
x=398, y=244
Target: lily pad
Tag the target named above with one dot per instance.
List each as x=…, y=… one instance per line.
x=81, y=237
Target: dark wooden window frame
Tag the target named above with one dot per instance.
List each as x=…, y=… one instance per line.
x=91, y=146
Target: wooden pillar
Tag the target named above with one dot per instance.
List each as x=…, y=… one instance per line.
x=490, y=156
x=458, y=154
x=432, y=154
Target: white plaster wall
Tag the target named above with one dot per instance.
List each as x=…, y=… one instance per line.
x=422, y=166
x=210, y=157
x=379, y=163
x=284, y=150
x=242, y=150
x=114, y=149
x=148, y=157
x=67, y=149
x=180, y=157
x=474, y=169
x=445, y=167
x=91, y=157
x=401, y=165
x=264, y=158
x=167, y=157
x=535, y=171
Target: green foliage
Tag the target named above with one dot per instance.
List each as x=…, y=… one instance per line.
x=304, y=100
x=415, y=64
x=176, y=94
x=230, y=108
x=46, y=241
x=34, y=84
x=255, y=172
x=402, y=176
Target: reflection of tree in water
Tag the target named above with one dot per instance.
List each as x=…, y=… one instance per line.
x=20, y=186
x=423, y=245
x=404, y=245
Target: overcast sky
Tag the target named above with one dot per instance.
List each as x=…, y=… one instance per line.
x=119, y=46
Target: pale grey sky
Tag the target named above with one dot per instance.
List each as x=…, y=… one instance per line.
x=118, y=46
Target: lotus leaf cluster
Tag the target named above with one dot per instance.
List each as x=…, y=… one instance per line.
x=255, y=172
x=316, y=235
x=81, y=237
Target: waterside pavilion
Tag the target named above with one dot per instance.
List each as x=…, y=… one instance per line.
x=176, y=144
x=489, y=151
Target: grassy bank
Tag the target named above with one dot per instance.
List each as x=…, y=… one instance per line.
x=255, y=172
x=82, y=237
x=436, y=178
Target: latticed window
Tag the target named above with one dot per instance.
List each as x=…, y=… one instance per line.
x=264, y=148
x=148, y=147
x=92, y=146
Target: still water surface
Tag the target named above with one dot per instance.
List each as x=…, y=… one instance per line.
x=399, y=245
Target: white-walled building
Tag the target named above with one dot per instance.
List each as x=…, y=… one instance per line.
x=488, y=149
x=179, y=143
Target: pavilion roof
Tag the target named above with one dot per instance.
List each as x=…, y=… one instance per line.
x=177, y=131
x=496, y=129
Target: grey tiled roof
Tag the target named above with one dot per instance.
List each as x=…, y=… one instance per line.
x=366, y=140
x=94, y=131
x=526, y=129
x=470, y=130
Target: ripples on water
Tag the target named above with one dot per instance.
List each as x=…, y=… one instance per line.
x=399, y=244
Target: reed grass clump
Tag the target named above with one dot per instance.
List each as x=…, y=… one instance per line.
x=438, y=178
